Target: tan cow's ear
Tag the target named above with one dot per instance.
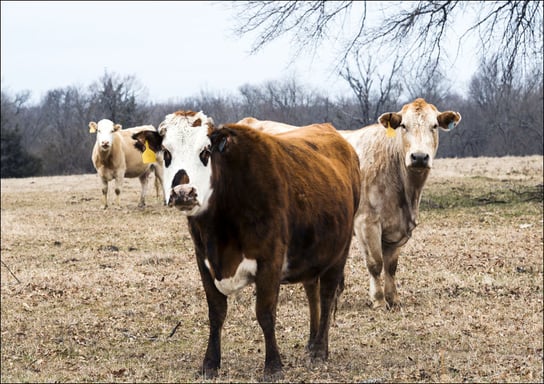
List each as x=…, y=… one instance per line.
x=162, y=128
x=449, y=120
x=117, y=127
x=92, y=127
x=390, y=119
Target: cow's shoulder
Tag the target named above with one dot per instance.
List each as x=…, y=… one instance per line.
x=314, y=132
x=128, y=132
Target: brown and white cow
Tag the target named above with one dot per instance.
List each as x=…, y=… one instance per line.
x=396, y=157
x=114, y=157
x=262, y=209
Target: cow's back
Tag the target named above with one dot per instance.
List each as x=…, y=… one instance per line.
x=133, y=157
x=380, y=159
x=319, y=173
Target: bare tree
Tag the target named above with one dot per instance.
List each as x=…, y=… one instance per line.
x=66, y=144
x=506, y=112
x=375, y=92
x=433, y=88
x=120, y=99
x=16, y=159
x=417, y=31
x=287, y=101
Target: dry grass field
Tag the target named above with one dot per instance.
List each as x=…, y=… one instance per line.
x=93, y=295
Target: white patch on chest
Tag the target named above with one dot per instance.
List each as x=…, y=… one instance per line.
x=245, y=274
x=284, y=267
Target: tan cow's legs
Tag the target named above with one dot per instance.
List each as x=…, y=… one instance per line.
x=381, y=262
x=390, y=261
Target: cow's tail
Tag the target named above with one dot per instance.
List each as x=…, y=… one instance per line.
x=339, y=290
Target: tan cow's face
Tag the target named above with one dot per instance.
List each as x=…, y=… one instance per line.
x=418, y=124
x=104, y=133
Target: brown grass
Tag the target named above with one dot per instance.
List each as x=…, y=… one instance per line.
x=93, y=296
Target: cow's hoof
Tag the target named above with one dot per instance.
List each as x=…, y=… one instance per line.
x=272, y=375
x=207, y=373
x=379, y=304
x=318, y=355
x=393, y=305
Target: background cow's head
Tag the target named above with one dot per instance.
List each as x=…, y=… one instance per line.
x=183, y=138
x=418, y=124
x=104, y=132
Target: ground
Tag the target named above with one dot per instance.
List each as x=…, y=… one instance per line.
x=114, y=295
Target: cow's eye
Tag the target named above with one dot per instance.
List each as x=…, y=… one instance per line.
x=435, y=126
x=402, y=126
x=167, y=157
x=204, y=156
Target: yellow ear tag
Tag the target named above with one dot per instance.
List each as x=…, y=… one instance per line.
x=148, y=156
x=390, y=132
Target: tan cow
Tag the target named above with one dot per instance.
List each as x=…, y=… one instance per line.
x=396, y=156
x=268, y=126
x=115, y=157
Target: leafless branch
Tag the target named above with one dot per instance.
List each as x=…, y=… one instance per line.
x=416, y=31
x=174, y=329
x=9, y=270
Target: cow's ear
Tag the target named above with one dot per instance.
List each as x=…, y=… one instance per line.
x=117, y=127
x=449, y=120
x=92, y=127
x=221, y=139
x=210, y=123
x=153, y=139
x=390, y=119
x=161, y=129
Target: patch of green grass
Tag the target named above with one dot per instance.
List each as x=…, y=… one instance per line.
x=481, y=191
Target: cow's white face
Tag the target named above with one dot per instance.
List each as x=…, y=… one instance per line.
x=104, y=133
x=418, y=124
x=187, y=171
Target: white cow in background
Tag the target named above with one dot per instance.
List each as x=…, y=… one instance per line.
x=115, y=157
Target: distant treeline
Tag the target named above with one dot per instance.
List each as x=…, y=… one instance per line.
x=499, y=118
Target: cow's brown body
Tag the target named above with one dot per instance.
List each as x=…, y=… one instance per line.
x=283, y=207
x=278, y=201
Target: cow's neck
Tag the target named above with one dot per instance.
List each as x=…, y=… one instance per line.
x=107, y=156
x=412, y=183
x=413, y=187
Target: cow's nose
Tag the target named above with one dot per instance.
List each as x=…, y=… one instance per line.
x=183, y=196
x=420, y=160
x=180, y=178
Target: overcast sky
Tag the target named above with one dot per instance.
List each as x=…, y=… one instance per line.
x=173, y=49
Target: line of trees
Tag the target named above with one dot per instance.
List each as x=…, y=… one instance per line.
x=500, y=117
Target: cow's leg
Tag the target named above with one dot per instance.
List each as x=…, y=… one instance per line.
x=144, y=178
x=328, y=289
x=370, y=241
x=312, y=293
x=119, y=178
x=390, y=261
x=267, y=282
x=217, y=311
x=104, y=192
x=159, y=186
